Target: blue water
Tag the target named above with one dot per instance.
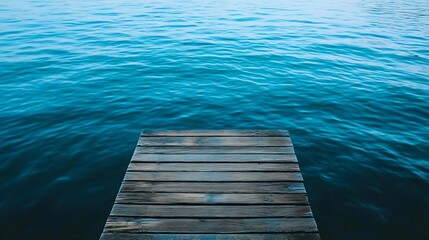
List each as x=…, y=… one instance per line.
x=349, y=79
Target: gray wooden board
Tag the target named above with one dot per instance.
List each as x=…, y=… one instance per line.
x=212, y=211
x=214, y=150
x=193, y=133
x=213, y=187
x=213, y=176
x=210, y=198
x=265, y=236
x=215, y=141
x=185, y=225
x=216, y=158
x=213, y=167
x=203, y=184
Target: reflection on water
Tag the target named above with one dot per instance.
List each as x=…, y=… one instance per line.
x=80, y=79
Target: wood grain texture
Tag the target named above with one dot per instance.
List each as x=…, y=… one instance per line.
x=209, y=198
x=213, y=167
x=213, y=176
x=215, y=141
x=246, y=225
x=214, y=150
x=215, y=158
x=265, y=236
x=203, y=184
x=216, y=133
x=214, y=187
x=211, y=211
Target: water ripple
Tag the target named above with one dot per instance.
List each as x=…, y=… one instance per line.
x=79, y=80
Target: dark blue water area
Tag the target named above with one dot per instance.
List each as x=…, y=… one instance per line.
x=79, y=80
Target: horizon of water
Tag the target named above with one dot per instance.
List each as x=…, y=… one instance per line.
x=349, y=79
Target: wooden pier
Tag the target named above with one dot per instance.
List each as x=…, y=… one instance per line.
x=230, y=185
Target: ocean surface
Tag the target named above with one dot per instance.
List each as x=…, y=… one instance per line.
x=79, y=80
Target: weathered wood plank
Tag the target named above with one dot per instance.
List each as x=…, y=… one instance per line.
x=209, y=198
x=214, y=176
x=248, y=225
x=214, y=133
x=214, y=187
x=203, y=184
x=266, y=236
x=213, y=150
x=215, y=141
x=217, y=158
x=214, y=167
x=208, y=211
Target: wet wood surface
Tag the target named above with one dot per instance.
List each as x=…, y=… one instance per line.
x=212, y=184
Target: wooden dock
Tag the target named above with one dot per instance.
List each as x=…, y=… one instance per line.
x=230, y=185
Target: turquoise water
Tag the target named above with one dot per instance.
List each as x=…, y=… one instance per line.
x=80, y=79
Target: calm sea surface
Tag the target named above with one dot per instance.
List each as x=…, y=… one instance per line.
x=79, y=80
